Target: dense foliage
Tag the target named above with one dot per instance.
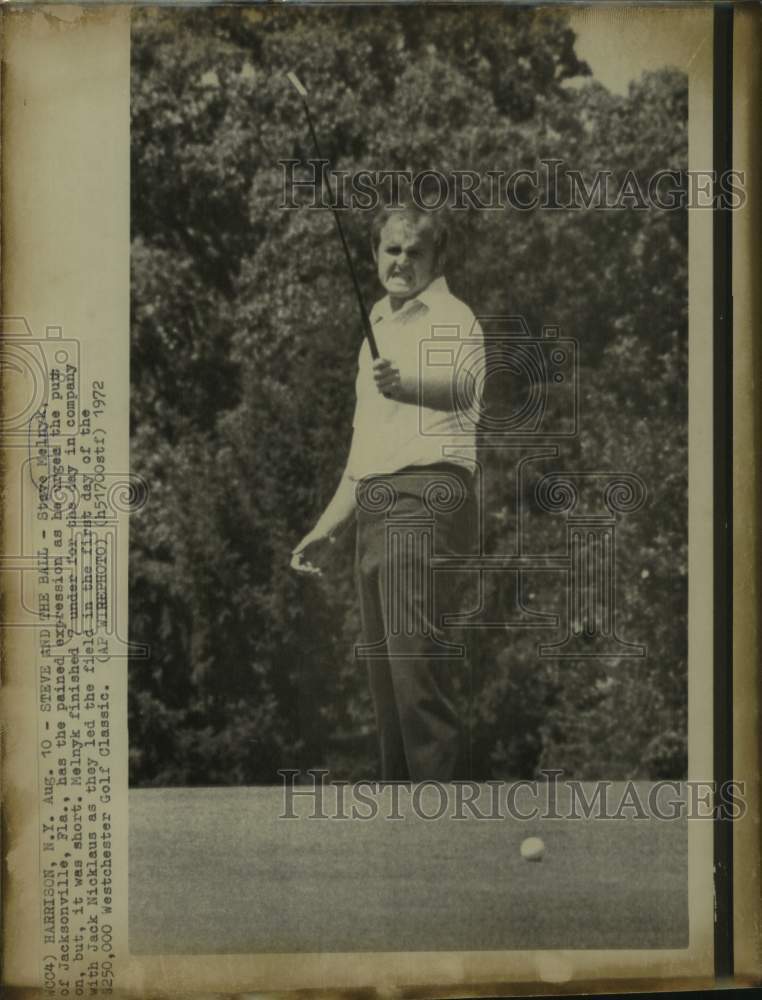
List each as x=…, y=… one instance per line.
x=245, y=338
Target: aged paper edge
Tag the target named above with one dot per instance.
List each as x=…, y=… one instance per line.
x=250, y=972
x=747, y=488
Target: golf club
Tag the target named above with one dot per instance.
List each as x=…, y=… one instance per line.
x=367, y=328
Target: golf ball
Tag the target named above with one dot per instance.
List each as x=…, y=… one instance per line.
x=532, y=849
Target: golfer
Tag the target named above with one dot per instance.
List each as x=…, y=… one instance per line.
x=413, y=440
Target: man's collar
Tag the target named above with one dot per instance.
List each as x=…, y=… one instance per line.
x=435, y=289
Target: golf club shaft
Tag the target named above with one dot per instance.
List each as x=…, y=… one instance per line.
x=367, y=328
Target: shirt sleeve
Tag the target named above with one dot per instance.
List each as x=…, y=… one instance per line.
x=471, y=367
x=361, y=383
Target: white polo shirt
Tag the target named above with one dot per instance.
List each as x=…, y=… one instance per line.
x=432, y=330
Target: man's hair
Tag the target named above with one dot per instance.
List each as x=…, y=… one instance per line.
x=433, y=220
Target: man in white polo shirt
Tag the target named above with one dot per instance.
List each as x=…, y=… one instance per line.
x=411, y=460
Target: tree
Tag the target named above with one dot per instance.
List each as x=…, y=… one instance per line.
x=245, y=336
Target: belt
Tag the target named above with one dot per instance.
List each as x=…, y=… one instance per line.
x=439, y=488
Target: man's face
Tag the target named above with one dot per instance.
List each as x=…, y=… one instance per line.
x=406, y=258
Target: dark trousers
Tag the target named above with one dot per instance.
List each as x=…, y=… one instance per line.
x=413, y=664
